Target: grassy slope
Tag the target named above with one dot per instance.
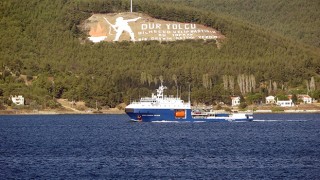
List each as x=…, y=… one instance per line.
x=298, y=20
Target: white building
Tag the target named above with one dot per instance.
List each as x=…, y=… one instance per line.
x=270, y=100
x=17, y=100
x=235, y=101
x=305, y=98
x=285, y=103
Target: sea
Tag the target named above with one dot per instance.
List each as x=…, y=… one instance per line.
x=274, y=146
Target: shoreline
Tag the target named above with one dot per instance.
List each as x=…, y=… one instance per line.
x=287, y=111
x=57, y=112
x=121, y=112
x=79, y=108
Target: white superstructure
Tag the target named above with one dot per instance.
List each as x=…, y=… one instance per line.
x=160, y=101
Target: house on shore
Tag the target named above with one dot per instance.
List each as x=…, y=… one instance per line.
x=306, y=99
x=285, y=103
x=270, y=100
x=17, y=100
x=235, y=101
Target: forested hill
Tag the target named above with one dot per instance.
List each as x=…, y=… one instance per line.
x=44, y=56
x=295, y=19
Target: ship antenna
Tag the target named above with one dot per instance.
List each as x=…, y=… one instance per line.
x=160, y=91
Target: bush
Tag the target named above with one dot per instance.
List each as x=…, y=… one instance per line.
x=8, y=102
x=52, y=104
x=243, y=105
x=218, y=107
x=277, y=109
x=29, y=78
x=227, y=109
x=34, y=105
x=2, y=106
x=120, y=107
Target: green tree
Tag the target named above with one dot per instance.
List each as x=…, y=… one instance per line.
x=294, y=98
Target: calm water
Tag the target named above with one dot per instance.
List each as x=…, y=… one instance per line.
x=276, y=146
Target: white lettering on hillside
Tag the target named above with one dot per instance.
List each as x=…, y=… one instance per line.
x=150, y=26
x=173, y=31
x=133, y=27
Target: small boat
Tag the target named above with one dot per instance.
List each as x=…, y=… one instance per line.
x=160, y=108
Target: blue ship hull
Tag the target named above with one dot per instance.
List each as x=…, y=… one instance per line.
x=169, y=115
x=159, y=108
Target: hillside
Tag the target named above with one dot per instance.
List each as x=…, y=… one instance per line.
x=41, y=40
x=295, y=19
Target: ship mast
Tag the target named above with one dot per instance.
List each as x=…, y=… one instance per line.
x=160, y=91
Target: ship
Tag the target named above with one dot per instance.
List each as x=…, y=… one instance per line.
x=161, y=108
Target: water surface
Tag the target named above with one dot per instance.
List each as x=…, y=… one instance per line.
x=275, y=146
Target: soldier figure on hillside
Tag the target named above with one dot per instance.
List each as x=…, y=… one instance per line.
x=122, y=25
